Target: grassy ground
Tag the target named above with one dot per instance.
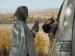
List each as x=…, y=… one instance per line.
x=5, y=40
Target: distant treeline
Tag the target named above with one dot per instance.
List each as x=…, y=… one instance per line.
x=29, y=20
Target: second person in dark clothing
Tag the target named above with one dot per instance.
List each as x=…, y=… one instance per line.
x=50, y=27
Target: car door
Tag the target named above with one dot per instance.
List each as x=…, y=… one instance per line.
x=65, y=30
x=73, y=35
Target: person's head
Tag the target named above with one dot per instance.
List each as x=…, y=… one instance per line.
x=37, y=23
x=46, y=27
x=36, y=26
x=50, y=21
x=21, y=13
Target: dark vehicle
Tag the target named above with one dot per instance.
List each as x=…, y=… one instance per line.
x=65, y=36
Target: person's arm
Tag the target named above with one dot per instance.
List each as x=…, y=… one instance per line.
x=53, y=30
x=35, y=29
x=54, y=27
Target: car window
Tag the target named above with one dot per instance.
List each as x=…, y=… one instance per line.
x=67, y=24
x=60, y=18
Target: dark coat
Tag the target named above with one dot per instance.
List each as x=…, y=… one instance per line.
x=50, y=27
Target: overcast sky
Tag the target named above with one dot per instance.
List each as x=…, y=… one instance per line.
x=11, y=5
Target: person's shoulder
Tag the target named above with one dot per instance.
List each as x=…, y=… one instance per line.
x=19, y=24
x=56, y=22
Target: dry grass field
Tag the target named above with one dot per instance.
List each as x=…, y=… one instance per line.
x=42, y=43
x=5, y=40
x=5, y=37
x=6, y=33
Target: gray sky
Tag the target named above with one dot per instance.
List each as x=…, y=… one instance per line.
x=11, y=5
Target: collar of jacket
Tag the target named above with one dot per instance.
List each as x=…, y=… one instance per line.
x=21, y=19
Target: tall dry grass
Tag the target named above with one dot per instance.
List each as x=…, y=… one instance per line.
x=5, y=38
x=42, y=43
